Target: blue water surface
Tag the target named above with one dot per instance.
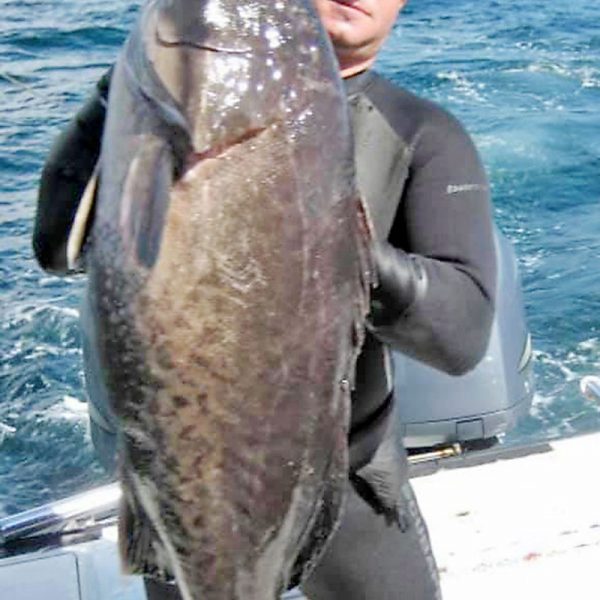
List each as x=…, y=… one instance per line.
x=522, y=75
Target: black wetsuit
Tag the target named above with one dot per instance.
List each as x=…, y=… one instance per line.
x=429, y=201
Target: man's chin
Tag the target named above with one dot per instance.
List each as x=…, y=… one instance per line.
x=346, y=35
x=349, y=44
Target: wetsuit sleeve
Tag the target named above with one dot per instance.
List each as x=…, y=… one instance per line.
x=65, y=174
x=437, y=272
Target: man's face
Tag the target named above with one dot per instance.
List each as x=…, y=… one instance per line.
x=358, y=28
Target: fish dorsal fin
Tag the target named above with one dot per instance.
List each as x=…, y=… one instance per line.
x=81, y=222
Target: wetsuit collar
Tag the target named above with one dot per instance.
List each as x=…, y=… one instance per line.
x=355, y=84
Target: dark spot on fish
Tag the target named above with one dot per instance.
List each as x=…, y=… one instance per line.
x=181, y=402
x=139, y=455
x=180, y=322
x=216, y=371
x=193, y=295
x=201, y=451
x=199, y=522
x=187, y=432
x=163, y=358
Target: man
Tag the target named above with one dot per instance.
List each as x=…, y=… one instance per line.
x=428, y=197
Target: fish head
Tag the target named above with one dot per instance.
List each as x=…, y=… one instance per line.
x=197, y=78
x=230, y=67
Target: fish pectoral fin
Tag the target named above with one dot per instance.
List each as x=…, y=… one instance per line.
x=145, y=200
x=139, y=543
x=82, y=223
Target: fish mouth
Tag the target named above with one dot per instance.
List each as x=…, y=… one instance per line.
x=165, y=42
x=175, y=28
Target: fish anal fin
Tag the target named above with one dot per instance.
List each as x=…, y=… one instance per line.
x=139, y=543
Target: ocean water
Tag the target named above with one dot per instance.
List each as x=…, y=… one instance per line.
x=522, y=75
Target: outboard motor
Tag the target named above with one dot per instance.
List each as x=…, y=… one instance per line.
x=438, y=409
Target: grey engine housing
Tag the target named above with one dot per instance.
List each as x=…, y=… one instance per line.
x=435, y=408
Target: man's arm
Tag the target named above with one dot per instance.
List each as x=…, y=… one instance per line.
x=68, y=168
x=435, y=300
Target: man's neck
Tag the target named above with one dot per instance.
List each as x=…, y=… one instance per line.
x=352, y=68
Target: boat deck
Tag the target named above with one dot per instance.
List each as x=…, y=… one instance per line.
x=520, y=527
x=504, y=524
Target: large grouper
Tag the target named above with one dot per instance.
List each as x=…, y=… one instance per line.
x=229, y=283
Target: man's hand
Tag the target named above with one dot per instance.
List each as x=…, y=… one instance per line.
x=400, y=281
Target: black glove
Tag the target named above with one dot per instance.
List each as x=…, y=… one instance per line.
x=400, y=281
x=67, y=170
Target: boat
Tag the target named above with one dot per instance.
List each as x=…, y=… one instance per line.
x=471, y=489
x=518, y=523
